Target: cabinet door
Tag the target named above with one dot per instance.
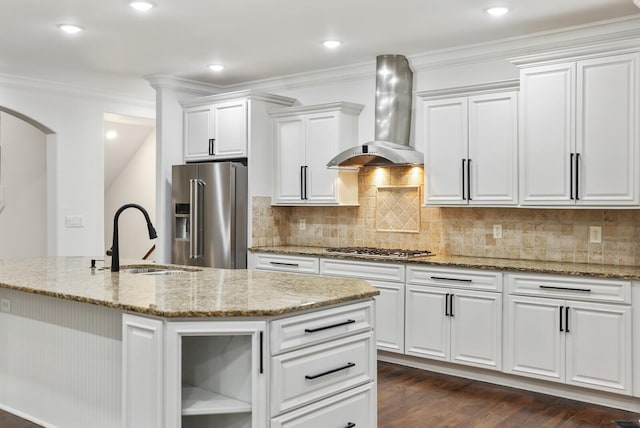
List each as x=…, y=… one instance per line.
x=547, y=137
x=534, y=342
x=321, y=145
x=607, y=131
x=142, y=387
x=476, y=329
x=289, y=159
x=198, y=125
x=493, y=144
x=598, y=340
x=389, y=316
x=445, y=134
x=427, y=327
x=230, y=133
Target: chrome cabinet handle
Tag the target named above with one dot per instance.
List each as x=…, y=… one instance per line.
x=313, y=330
x=328, y=372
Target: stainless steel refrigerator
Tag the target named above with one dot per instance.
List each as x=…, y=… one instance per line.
x=209, y=204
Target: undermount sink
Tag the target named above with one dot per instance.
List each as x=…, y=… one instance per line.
x=156, y=270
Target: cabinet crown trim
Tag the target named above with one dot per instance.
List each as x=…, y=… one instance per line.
x=341, y=106
x=246, y=94
x=484, y=88
x=617, y=47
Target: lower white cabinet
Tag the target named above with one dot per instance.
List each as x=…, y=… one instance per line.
x=389, y=279
x=350, y=409
x=564, y=329
x=215, y=374
x=457, y=325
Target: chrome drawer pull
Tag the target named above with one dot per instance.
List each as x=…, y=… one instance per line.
x=285, y=264
x=313, y=330
x=549, y=287
x=347, y=366
x=450, y=279
x=350, y=425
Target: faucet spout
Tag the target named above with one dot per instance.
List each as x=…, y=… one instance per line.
x=115, y=251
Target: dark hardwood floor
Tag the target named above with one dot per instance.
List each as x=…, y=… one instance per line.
x=411, y=398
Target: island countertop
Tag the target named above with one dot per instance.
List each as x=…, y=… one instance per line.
x=203, y=293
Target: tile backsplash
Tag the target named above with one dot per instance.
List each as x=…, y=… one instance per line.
x=532, y=234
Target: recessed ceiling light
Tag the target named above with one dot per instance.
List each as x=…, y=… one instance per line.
x=497, y=11
x=332, y=44
x=70, y=28
x=216, y=67
x=111, y=135
x=142, y=5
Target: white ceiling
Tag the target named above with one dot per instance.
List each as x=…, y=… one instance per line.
x=255, y=39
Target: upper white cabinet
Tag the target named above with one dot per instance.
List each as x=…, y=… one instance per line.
x=217, y=127
x=470, y=144
x=305, y=139
x=579, y=132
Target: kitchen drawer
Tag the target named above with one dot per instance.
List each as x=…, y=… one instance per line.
x=473, y=279
x=286, y=263
x=316, y=327
x=311, y=374
x=570, y=287
x=393, y=272
x=353, y=408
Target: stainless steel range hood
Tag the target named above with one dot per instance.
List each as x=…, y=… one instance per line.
x=394, y=82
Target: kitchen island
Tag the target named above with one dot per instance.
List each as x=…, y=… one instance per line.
x=209, y=347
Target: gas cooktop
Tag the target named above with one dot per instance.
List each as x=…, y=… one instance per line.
x=379, y=252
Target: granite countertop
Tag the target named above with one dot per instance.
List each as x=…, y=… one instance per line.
x=532, y=266
x=204, y=293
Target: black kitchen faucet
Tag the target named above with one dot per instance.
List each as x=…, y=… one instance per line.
x=114, y=252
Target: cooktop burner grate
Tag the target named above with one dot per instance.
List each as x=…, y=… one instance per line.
x=382, y=252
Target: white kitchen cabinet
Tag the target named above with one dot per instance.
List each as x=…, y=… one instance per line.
x=579, y=132
x=579, y=342
x=470, y=145
x=389, y=279
x=217, y=127
x=306, y=139
x=449, y=317
x=215, y=374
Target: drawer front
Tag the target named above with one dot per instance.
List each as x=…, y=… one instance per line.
x=316, y=327
x=393, y=272
x=473, y=279
x=311, y=374
x=285, y=263
x=570, y=287
x=353, y=408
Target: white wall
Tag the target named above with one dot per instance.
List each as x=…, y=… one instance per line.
x=23, y=220
x=136, y=183
x=75, y=157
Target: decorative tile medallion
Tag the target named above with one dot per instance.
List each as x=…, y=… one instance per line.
x=398, y=209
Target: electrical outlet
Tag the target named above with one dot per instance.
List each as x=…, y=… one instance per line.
x=74, y=221
x=595, y=234
x=497, y=231
x=5, y=305
x=302, y=224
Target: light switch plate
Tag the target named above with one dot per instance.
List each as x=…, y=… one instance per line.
x=74, y=221
x=302, y=224
x=497, y=231
x=595, y=234
x=5, y=305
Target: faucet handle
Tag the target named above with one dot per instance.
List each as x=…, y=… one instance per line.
x=110, y=251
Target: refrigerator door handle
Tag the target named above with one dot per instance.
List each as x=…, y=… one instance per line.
x=195, y=194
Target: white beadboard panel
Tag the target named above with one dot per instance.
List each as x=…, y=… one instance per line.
x=60, y=361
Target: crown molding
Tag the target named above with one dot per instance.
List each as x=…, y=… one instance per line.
x=165, y=81
x=20, y=82
x=485, y=88
x=342, y=106
x=248, y=94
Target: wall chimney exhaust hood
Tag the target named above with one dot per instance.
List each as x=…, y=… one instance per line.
x=394, y=82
